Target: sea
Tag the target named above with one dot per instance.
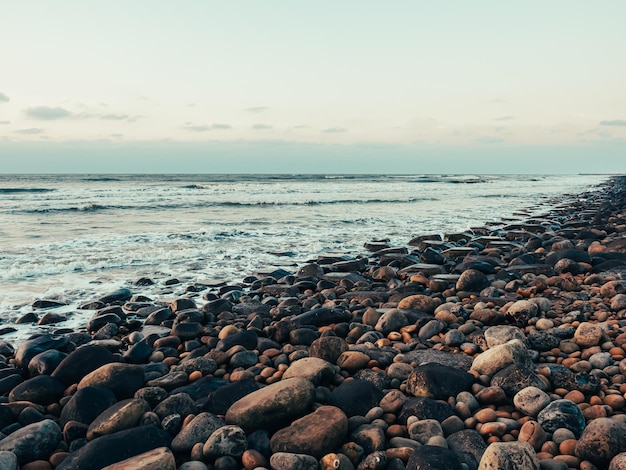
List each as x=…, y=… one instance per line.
x=73, y=238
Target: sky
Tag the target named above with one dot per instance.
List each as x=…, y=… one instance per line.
x=200, y=86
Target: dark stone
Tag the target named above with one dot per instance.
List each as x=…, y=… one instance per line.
x=438, y=381
x=6, y=416
x=355, y=397
x=562, y=377
x=377, y=378
x=468, y=445
x=425, y=408
x=472, y=280
x=159, y=316
x=117, y=297
x=246, y=338
x=321, y=317
x=123, y=379
x=9, y=382
x=542, y=341
x=138, y=353
x=515, y=377
x=36, y=441
x=100, y=320
x=46, y=362
x=221, y=399
x=179, y=403
x=42, y=390
x=303, y=336
x=456, y=360
x=328, y=348
x=115, y=447
x=86, y=404
x=433, y=458
x=562, y=414
x=31, y=347
x=81, y=362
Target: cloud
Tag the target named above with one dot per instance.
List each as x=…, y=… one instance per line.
x=257, y=109
x=334, y=130
x=504, y=118
x=117, y=136
x=221, y=126
x=261, y=127
x=5, y=122
x=30, y=131
x=193, y=128
x=489, y=140
x=614, y=122
x=47, y=113
x=3, y=98
x=114, y=117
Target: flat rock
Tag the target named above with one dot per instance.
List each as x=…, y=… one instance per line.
x=456, y=360
x=434, y=458
x=289, y=461
x=531, y=400
x=123, y=415
x=160, y=458
x=272, y=406
x=318, y=371
x=501, y=356
x=316, y=434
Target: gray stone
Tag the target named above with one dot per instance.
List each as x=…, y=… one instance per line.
x=522, y=311
x=36, y=441
x=289, y=461
x=8, y=461
x=391, y=320
x=438, y=381
x=501, y=356
x=318, y=371
x=160, y=458
x=123, y=415
x=423, y=430
x=469, y=446
x=198, y=430
x=509, y=456
x=228, y=440
x=500, y=334
x=602, y=439
x=531, y=400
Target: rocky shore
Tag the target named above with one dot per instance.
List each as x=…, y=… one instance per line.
x=503, y=347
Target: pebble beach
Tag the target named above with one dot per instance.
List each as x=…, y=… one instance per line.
x=498, y=347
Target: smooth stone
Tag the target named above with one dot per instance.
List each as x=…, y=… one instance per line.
x=315, y=434
x=31, y=347
x=123, y=415
x=434, y=458
x=425, y=408
x=379, y=379
x=178, y=403
x=197, y=431
x=472, y=280
x=370, y=437
x=562, y=414
x=430, y=329
x=438, y=381
x=522, y=311
x=500, y=334
x=618, y=462
x=419, y=302
x=602, y=439
x=36, y=441
x=468, y=445
x=289, y=461
x=588, y=335
x=423, y=430
x=8, y=461
x=391, y=320
x=86, y=405
x=328, y=348
x=499, y=357
x=399, y=370
x=353, y=361
x=272, y=406
x=160, y=458
x=122, y=379
x=45, y=362
x=531, y=400
x=43, y=390
x=509, y=456
x=113, y=448
x=459, y=361
x=515, y=377
x=532, y=433
x=355, y=397
x=227, y=440
x=221, y=399
x=316, y=370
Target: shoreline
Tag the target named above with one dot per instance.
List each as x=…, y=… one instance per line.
x=356, y=353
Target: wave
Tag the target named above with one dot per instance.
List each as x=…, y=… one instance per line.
x=25, y=190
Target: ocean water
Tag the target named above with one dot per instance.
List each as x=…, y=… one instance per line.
x=76, y=237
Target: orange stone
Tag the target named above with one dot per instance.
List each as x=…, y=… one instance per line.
x=568, y=446
x=576, y=396
x=615, y=401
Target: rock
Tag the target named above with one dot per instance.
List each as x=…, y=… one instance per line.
x=178, y=403
x=116, y=447
x=197, y=431
x=509, y=456
x=31, y=347
x=419, y=302
x=225, y=441
x=122, y=379
x=355, y=397
x=391, y=320
x=468, y=445
x=123, y=415
x=423, y=430
x=353, y=361
x=377, y=378
x=116, y=297
x=588, y=335
x=434, y=458
x=472, y=280
x=430, y=329
x=8, y=461
x=45, y=362
x=86, y=404
x=438, y=381
x=618, y=462
x=315, y=434
x=160, y=458
x=328, y=348
x=36, y=441
x=534, y=434
x=43, y=390
x=288, y=461
x=522, y=311
x=501, y=356
x=370, y=437
x=221, y=399
x=516, y=377
x=500, y=334
x=602, y=439
x=562, y=414
x=531, y=400
x=318, y=371
x=458, y=361
x=321, y=316
x=425, y=408
x=272, y=406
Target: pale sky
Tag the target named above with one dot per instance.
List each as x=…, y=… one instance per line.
x=325, y=86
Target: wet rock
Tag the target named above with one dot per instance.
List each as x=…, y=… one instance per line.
x=44, y=363
x=116, y=447
x=434, y=458
x=197, y=431
x=315, y=434
x=122, y=379
x=43, y=390
x=36, y=441
x=438, y=381
x=509, y=456
x=123, y=415
x=178, y=403
x=272, y=406
x=468, y=445
x=562, y=414
x=289, y=461
x=156, y=459
x=531, y=400
x=221, y=399
x=328, y=348
x=86, y=404
x=602, y=439
x=318, y=371
x=355, y=397
x=225, y=441
x=31, y=347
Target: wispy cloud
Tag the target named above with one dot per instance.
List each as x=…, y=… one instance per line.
x=194, y=128
x=114, y=117
x=261, y=127
x=47, y=113
x=614, y=122
x=221, y=127
x=5, y=122
x=30, y=131
x=504, y=118
x=334, y=130
x=3, y=98
x=257, y=109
